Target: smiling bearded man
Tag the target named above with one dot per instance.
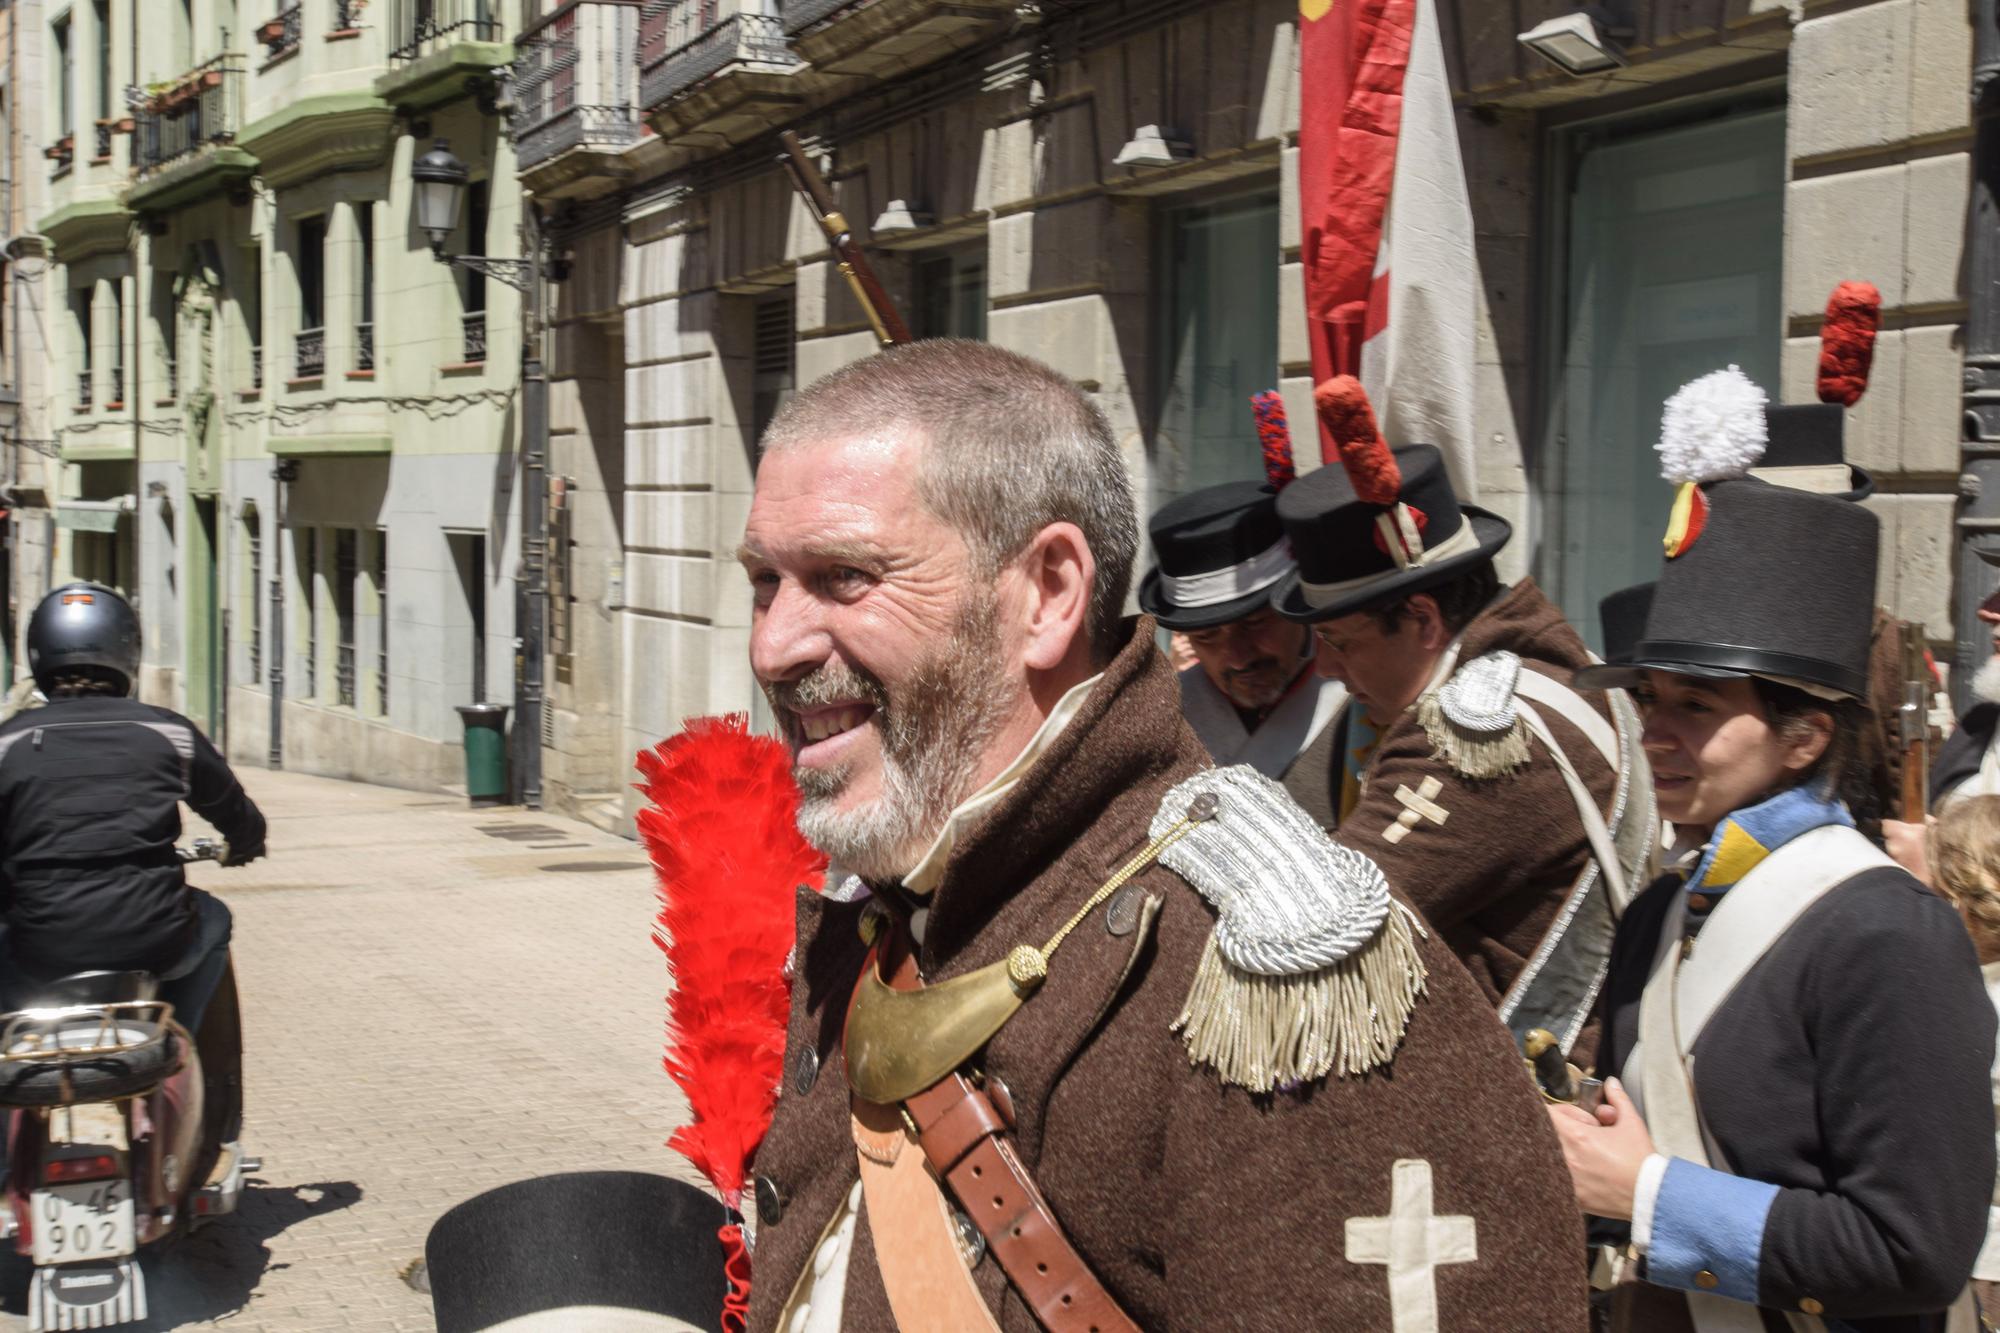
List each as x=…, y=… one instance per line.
x=1018, y=1092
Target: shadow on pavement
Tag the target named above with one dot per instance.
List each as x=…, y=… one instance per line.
x=212, y=1274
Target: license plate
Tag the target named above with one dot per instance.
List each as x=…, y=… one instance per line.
x=92, y=1219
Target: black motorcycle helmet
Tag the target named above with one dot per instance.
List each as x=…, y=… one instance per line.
x=84, y=630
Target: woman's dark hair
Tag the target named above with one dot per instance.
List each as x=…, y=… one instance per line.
x=1842, y=771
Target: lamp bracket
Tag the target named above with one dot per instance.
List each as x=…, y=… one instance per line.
x=516, y=273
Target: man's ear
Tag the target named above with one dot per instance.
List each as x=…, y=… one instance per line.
x=1058, y=573
x=1432, y=632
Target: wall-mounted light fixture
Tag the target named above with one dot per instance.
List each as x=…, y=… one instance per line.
x=1588, y=41
x=1151, y=146
x=900, y=216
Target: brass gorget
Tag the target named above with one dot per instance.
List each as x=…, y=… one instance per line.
x=900, y=1042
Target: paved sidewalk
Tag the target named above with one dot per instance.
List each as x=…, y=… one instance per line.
x=436, y=1001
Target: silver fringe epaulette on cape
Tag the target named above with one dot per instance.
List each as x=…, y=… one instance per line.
x=1471, y=720
x=1312, y=968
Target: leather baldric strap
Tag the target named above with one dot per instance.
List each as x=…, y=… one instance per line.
x=969, y=1146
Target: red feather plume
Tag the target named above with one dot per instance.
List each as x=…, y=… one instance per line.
x=721, y=831
x=1847, y=342
x=1350, y=422
x=1274, y=433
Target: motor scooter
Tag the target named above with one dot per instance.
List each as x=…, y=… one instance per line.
x=103, y=1094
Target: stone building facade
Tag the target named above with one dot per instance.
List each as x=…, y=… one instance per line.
x=279, y=424
x=1112, y=187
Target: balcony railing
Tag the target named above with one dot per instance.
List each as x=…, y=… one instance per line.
x=671, y=63
x=364, y=347
x=256, y=365
x=573, y=80
x=117, y=398
x=62, y=152
x=83, y=387
x=280, y=35
x=173, y=369
x=309, y=356
x=347, y=15
x=419, y=27
x=475, y=335
x=198, y=111
x=104, y=128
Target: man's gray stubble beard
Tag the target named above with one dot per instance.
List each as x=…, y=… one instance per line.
x=934, y=729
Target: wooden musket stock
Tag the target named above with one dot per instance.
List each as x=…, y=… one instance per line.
x=889, y=327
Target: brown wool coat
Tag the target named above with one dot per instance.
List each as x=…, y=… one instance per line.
x=1200, y=1206
x=1493, y=876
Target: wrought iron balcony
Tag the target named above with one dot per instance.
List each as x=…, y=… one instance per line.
x=200, y=110
x=364, y=347
x=280, y=35
x=419, y=27
x=674, y=58
x=347, y=15
x=173, y=368
x=104, y=128
x=256, y=365
x=309, y=354
x=117, y=387
x=475, y=335
x=573, y=80
x=83, y=388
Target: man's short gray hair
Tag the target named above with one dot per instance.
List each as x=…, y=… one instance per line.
x=1010, y=446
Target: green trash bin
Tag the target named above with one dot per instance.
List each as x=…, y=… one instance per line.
x=485, y=753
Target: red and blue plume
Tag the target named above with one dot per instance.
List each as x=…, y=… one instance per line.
x=720, y=826
x=1275, y=435
x=1847, y=342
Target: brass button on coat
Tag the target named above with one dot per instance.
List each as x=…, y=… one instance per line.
x=1810, y=1306
x=770, y=1202
x=1699, y=902
x=1704, y=1279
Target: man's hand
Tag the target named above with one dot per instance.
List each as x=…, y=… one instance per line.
x=1907, y=845
x=243, y=856
x=1604, y=1151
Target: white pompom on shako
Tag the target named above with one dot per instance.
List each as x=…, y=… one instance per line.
x=1312, y=968
x=1713, y=427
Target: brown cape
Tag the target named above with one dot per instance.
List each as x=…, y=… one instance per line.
x=1200, y=1206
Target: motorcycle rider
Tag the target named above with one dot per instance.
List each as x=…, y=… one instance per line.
x=90, y=791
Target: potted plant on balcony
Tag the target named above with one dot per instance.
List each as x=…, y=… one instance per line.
x=210, y=78
x=271, y=31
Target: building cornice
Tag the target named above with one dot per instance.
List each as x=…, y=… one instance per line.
x=87, y=227
x=320, y=135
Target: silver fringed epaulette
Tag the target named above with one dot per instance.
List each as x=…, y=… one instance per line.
x=1471, y=719
x=1312, y=968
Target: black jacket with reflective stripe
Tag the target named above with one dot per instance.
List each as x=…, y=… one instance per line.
x=90, y=793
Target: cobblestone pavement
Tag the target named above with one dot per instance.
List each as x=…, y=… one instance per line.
x=436, y=1001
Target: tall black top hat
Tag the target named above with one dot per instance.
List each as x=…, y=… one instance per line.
x=1383, y=525
x=1219, y=550
x=1773, y=582
x=1807, y=447
x=1622, y=617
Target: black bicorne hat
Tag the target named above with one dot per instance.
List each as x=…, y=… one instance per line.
x=1344, y=562
x=585, y=1249
x=1773, y=582
x=1218, y=552
x=1622, y=618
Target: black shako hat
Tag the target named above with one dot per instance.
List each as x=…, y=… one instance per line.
x=1775, y=582
x=1622, y=618
x=1218, y=551
x=582, y=1250
x=1343, y=554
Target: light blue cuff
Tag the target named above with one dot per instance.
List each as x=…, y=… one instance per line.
x=1708, y=1221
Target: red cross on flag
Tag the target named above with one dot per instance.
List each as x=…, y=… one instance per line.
x=1391, y=274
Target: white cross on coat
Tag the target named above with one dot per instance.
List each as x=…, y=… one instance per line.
x=1412, y=1244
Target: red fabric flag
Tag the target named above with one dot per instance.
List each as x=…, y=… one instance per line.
x=1353, y=55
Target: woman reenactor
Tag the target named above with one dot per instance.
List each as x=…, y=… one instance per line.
x=1798, y=1128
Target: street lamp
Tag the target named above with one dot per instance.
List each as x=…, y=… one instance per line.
x=439, y=179
x=1588, y=41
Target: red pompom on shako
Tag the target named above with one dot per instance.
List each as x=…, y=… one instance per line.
x=1350, y=422
x=1847, y=342
x=721, y=828
x=1274, y=433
